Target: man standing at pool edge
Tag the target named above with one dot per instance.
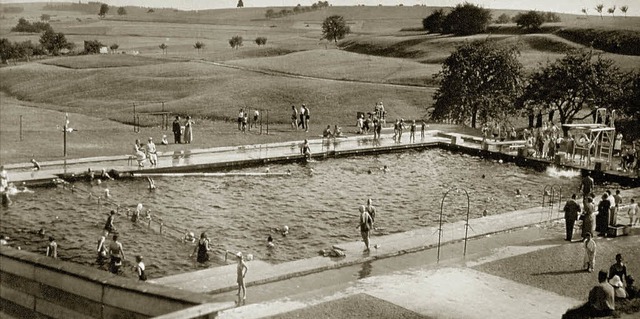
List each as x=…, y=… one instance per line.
x=571, y=211
x=177, y=130
x=586, y=187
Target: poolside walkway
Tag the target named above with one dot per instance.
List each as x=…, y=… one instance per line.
x=216, y=158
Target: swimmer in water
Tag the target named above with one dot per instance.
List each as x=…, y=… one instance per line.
x=385, y=169
x=106, y=193
x=270, y=243
x=152, y=184
x=189, y=238
x=285, y=230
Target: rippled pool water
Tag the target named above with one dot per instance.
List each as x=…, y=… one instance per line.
x=318, y=202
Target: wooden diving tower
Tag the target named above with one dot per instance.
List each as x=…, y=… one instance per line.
x=595, y=139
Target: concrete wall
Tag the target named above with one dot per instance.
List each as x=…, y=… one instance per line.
x=35, y=286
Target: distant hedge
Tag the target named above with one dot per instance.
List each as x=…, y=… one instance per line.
x=614, y=41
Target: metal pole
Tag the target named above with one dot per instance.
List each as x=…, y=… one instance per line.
x=64, y=139
x=267, y=122
x=134, y=117
x=20, y=128
x=466, y=225
x=440, y=223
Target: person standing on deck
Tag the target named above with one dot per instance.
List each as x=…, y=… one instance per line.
x=177, y=130
x=571, y=211
x=586, y=186
x=241, y=271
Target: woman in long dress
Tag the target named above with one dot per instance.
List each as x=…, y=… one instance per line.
x=188, y=130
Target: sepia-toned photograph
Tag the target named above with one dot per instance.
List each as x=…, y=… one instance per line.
x=357, y=159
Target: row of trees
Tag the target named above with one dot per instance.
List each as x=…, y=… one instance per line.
x=546, y=17
x=272, y=14
x=104, y=9
x=26, y=26
x=482, y=81
x=464, y=19
x=599, y=8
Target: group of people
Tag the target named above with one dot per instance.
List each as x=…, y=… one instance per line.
x=399, y=127
x=146, y=152
x=114, y=251
x=327, y=133
x=182, y=133
x=300, y=119
x=616, y=284
x=243, y=120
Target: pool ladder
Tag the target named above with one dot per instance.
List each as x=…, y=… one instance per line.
x=550, y=195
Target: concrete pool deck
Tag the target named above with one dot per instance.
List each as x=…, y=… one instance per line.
x=223, y=279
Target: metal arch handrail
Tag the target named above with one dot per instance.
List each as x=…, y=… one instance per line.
x=466, y=223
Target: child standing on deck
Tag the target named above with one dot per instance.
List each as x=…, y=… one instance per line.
x=242, y=272
x=590, y=253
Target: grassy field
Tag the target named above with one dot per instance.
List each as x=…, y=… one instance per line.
x=107, y=86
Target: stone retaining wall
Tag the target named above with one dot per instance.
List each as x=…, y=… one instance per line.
x=35, y=286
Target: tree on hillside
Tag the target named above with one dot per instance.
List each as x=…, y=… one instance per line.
x=261, y=41
x=92, y=46
x=54, y=42
x=6, y=50
x=240, y=4
x=335, y=28
x=584, y=10
x=45, y=17
x=503, y=19
x=114, y=47
x=270, y=14
x=624, y=10
x=163, y=47
x=104, y=8
x=531, y=20
x=122, y=11
x=480, y=81
x=151, y=11
x=611, y=11
x=433, y=23
x=199, y=45
x=235, y=42
x=467, y=19
x=599, y=9
x=571, y=84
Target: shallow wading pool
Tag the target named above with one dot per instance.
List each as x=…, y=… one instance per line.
x=319, y=202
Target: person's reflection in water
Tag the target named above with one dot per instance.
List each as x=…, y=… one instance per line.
x=366, y=270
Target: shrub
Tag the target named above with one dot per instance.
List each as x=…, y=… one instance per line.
x=614, y=41
x=503, y=18
x=235, y=42
x=122, y=11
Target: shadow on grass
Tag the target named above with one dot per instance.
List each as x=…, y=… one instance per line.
x=562, y=272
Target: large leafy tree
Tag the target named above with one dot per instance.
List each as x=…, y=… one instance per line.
x=335, y=28
x=467, y=19
x=235, y=42
x=531, y=20
x=480, y=80
x=6, y=50
x=104, y=8
x=577, y=81
x=433, y=23
x=54, y=42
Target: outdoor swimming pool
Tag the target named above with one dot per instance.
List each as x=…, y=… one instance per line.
x=318, y=202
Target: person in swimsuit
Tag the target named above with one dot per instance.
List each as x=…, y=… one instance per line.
x=294, y=117
x=365, y=226
x=108, y=226
x=117, y=255
x=241, y=272
x=618, y=269
x=140, y=268
x=152, y=152
x=306, y=150
x=202, y=249
x=52, y=248
x=412, y=132
x=371, y=210
x=102, y=249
